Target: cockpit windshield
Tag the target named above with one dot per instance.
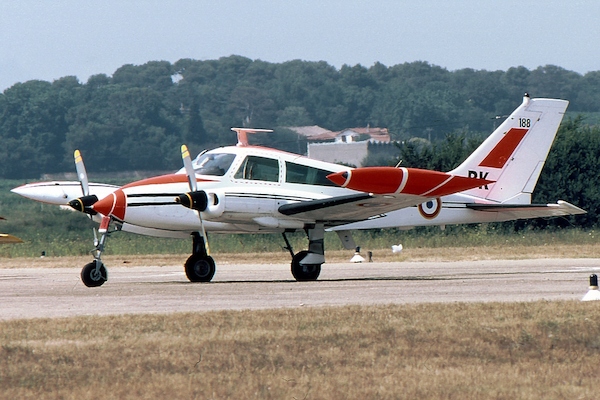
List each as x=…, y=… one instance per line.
x=215, y=164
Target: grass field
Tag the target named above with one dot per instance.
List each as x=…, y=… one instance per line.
x=538, y=350
x=534, y=350
x=409, y=254
x=429, y=351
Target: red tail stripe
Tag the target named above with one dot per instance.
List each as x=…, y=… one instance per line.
x=500, y=154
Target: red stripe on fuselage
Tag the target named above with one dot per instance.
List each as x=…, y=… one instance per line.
x=170, y=178
x=500, y=154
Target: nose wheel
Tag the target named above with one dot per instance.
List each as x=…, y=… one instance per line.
x=94, y=274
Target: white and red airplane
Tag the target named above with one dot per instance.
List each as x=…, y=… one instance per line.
x=253, y=189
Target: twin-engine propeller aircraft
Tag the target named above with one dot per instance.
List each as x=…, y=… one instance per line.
x=252, y=189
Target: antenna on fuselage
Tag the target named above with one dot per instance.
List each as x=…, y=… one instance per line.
x=242, y=134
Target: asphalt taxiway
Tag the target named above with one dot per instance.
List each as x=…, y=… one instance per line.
x=58, y=292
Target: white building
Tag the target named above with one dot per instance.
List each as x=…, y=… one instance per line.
x=349, y=146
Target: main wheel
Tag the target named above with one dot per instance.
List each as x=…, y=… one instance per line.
x=200, y=268
x=304, y=272
x=92, y=277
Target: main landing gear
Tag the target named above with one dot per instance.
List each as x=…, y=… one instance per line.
x=199, y=267
x=304, y=272
x=306, y=264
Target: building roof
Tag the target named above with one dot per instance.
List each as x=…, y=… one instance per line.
x=376, y=134
x=311, y=132
x=316, y=133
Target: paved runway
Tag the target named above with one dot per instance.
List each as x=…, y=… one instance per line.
x=58, y=292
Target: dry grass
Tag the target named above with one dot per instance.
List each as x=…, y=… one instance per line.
x=534, y=350
x=379, y=255
x=444, y=351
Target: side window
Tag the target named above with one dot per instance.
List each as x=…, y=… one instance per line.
x=296, y=173
x=259, y=169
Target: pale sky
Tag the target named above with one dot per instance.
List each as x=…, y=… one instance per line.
x=50, y=39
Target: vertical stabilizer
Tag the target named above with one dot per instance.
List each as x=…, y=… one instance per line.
x=514, y=154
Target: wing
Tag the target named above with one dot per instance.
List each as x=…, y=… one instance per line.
x=521, y=211
x=350, y=208
x=5, y=238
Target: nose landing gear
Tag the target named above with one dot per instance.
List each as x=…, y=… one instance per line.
x=94, y=274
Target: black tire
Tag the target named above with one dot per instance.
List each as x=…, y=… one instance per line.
x=200, y=268
x=304, y=272
x=91, y=278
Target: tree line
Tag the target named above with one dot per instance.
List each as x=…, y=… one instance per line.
x=137, y=118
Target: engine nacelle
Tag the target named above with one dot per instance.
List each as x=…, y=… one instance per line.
x=194, y=200
x=211, y=204
x=84, y=204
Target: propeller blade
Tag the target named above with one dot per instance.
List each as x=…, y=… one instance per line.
x=81, y=173
x=189, y=169
x=191, y=175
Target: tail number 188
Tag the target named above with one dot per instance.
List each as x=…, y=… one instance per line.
x=524, y=123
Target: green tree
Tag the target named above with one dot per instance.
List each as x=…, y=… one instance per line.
x=571, y=172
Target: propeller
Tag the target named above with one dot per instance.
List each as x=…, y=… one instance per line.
x=85, y=202
x=191, y=175
x=81, y=173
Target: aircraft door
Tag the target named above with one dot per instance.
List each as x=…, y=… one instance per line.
x=261, y=177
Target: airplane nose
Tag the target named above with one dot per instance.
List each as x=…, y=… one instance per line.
x=114, y=205
x=45, y=192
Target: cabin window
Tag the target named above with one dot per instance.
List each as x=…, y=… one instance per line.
x=215, y=164
x=259, y=169
x=296, y=173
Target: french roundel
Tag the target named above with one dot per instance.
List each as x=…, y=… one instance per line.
x=430, y=209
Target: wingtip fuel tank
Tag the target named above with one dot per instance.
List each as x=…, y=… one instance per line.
x=414, y=181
